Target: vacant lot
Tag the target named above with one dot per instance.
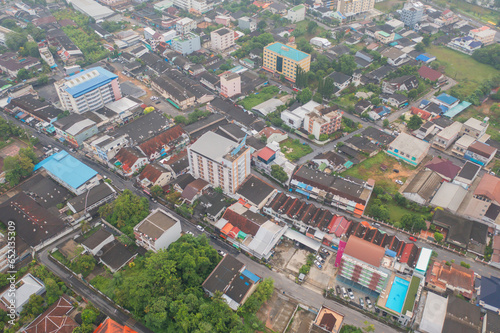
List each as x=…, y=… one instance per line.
x=370, y=168
x=259, y=97
x=302, y=321
x=460, y=66
x=297, y=261
x=390, y=5
x=276, y=312
x=478, y=12
x=294, y=150
x=480, y=112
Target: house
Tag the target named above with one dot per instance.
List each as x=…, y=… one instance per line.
x=465, y=45
x=475, y=128
x=458, y=229
x=25, y=287
x=75, y=129
x=328, y=320
x=231, y=278
x=384, y=37
x=111, y=326
x=115, y=255
x=467, y=174
x=424, y=115
x=446, y=137
x=489, y=293
x=485, y=35
x=449, y=196
x=396, y=100
x=486, y=198
x=441, y=277
x=128, y=161
x=362, y=106
x=212, y=205
x=462, y=316
x=363, y=145
x=330, y=160
x=443, y=167
x=247, y=23
x=273, y=134
x=55, y=319
x=255, y=191
x=431, y=74
x=11, y=63
x=92, y=199
x=462, y=144
x=277, y=8
x=408, y=148
x=422, y=187
x=377, y=136
x=157, y=231
x=320, y=42
x=95, y=242
x=403, y=83
x=154, y=175
x=480, y=153
x=69, y=172
x=323, y=121
x=340, y=81
x=194, y=190
x=295, y=118
x=164, y=143
x=395, y=57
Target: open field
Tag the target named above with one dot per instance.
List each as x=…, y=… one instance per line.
x=390, y=5
x=370, y=168
x=460, y=66
x=294, y=149
x=484, y=14
x=479, y=113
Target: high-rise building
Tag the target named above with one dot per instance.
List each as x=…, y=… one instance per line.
x=88, y=90
x=412, y=13
x=230, y=84
x=354, y=7
x=220, y=161
x=222, y=39
x=282, y=59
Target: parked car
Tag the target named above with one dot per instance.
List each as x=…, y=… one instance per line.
x=222, y=253
x=351, y=294
x=368, y=302
x=344, y=293
x=397, y=181
x=189, y=233
x=337, y=289
x=318, y=264
x=395, y=170
x=413, y=239
x=375, y=224
x=361, y=302
x=199, y=227
x=326, y=252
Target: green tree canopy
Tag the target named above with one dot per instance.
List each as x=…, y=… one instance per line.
x=278, y=173
x=415, y=122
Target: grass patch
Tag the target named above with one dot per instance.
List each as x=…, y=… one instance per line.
x=294, y=150
x=260, y=97
x=478, y=113
x=91, y=232
x=478, y=12
x=303, y=25
x=460, y=66
x=59, y=256
x=411, y=295
x=389, y=6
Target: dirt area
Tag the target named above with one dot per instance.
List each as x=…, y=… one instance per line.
x=12, y=149
x=302, y=321
x=98, y=270
x=296, y=262
x=149, y=92
x=323, y=278
x=276, y=312
x=282, y=255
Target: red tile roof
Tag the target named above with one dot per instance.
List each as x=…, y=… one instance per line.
x=443, y=276
x=489, y=187
x=111, y=326
x=266, y=153
x=444, y=167
x=425, y=115
x=193, y=188
x=406, y=253
x=429, y=73
x=151, y=172
x=338, y=225
x=157, y=143
x=55, y=319
x=482, y=149
x=127, y=157
x=244, y=224
x=176, y=158
x=364, y=251
x=268, y=131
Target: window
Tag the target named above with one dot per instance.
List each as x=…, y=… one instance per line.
x=413, y=159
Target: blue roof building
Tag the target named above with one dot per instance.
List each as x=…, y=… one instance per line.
x=283, y=59
x=489, y=298
x=69, y=172
x=446, y=100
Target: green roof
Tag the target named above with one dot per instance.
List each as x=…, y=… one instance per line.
x=296, y=8
x=287, y=51
x=383, y=33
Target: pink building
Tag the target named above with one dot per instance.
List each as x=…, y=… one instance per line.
x=230, y=84
x=223, y=19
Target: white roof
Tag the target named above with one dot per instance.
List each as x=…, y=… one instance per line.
x=268, y=106
x=423, y=259
x=303, y=239
x=410, y=144
x=79, y=126
x=27, y=286
x=449, y=132
x=474, y=123
x=213, y=146
x=121, y=105
x=184, y=21
x=449, y=196
x=92, y=8
x=266, y=238
x=465, y=140
x=434, y=314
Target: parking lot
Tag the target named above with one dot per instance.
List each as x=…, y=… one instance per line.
x=357, y=293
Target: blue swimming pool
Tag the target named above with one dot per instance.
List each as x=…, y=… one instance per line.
x=397, y=295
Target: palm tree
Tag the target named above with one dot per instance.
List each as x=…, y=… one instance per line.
x=85, y=226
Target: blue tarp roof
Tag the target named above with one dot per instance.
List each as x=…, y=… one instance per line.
x=103, y=78
x=424, y=102
x=390, y=253
x=423, y=58
x=67, y=168
x=445, y=98
x=251, y=276
x=457, y=109
x=19, y=114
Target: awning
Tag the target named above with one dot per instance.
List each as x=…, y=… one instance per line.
x=303, y=239
x=173, y=103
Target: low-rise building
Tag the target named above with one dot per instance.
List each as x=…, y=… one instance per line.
x=402, y=83
x=422, y=187
x=115, y=256
x=165, y=143
x=105, y=147
x=408, y=149
x=186, y=43
x=153, y=175
x=320, y=42
x=462, y=144
x=75, y=129
x=446, y=137
x=109, y=325
x=230, y=84
x=467, y=174
x=328, y=320
x=56, y=319
x=128, y=161
x=246, y=22
x=185, y=25
x=444, y=168
x=295, y=118
x=442, y=277
x=465, y=45
x=157, y=231
x=296, y=14
x=92, y=200
x=489, y=293
x=27, y=286
x=255, y=191
x=474, y=127
x=485, y=35
x=173, y=92
x=11, y=63
x=480, y=153
x=95, y=242
x=323, y=122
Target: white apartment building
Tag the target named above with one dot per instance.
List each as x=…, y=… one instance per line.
x=185, y=25
x=88, y=90
x=220, y=161
x=157, y=231
x=222, y=39
x=354, y=7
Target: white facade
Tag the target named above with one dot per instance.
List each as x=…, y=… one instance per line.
x=222, y=39
x=157, y=231
x=295, y=118
x=297, y=14
x=320, y=42
x=185, y=25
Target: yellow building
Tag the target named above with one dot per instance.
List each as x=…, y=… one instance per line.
x=282, y=59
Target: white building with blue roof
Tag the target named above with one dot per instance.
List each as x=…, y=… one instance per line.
x=69, y=172
x=88, y=90
x=446, y=100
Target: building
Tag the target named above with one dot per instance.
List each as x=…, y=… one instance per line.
x=296, y=14
x=474, y=128
x=422, y=187
x=354, y=7
x=361, y=263
x=153, y=175
x=165, y=143
x=463, y=316
x=69, y=172
x=55, y=319
x=323, y=122
x=447, y=136
x=467, y=174
x=462, y=144
x=11, y=63
x=92, y=8
x=408, y=148
x=220, y=161
x=231, y=278
x=246, y=22
x=255, y=191
x=480, y=153
x=434, y=314
x=340, y=81
x=93, y=199
x=185, y=25
x=27, y=286
x=128, y=161
x=465, y=45
x=320, y=42
x=75, y=129
x=115, y=256
x=282, y=59
x=105, y=147
x=328, y=320
x=442, y=277
x=187, y=43
x=111, y=326
x=384, y=37
x=444, y=168
x=412, y=13
x=173, y=92
x=402, y=83
x=157, y=231
x=222, y=39
x=88, y=90
x=484, y=205
x=95, y=242
x=489, y=293
x=431, y=74
x=230, y=84
x=485, y=35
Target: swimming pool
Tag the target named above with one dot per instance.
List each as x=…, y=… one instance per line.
x=397, y=295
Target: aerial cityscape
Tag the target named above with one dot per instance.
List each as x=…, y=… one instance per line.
x=240, y=166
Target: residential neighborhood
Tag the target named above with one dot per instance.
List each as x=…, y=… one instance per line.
x=249, y=166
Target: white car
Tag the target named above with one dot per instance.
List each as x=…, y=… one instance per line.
x=318, y=264
x=399, y=182
x=222, y=253
x=189, y=233
x=199, y=227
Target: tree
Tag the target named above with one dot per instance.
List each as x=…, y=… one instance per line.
x=311, y=27
x=464, y=264
x=156, y=191
x=318, y=98
x=262, y=25
x=347, y=65
x=279, y=173
x=300, y=77
x=84, y=226
x=386, y=123
x=420, y=47
x=415, y=122
x=323, y=137
x=412, y=94
x=53, y=291
x=20, y=166
x=413, y=222
x=438, y=237
x=304, y=96
x=23, y=74
x=85, y=262
x=34, y=307
x=489, y=55
x=15, y=40
x=42, y=79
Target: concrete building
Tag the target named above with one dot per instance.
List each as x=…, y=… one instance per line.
x=185, y=25
x=408, y=148
x=412, y=13
x=442, y=277
x=465, y=44
x=105, y=147
x=296, y=14
x=282, y=59
x=354, y=7
x=230, y=84
x=222, y=39
x=485, y=35
x=88, y=90
x=220, y=161
x=92, y=8
x=25, y=288
x=475, y=128
x=75, y=129
x=157, y=231
x=128, y=161
x=422, y=187
x=187, y=43
x=69, y=172
x=246, y=22
x=320, y=42
x=295, y=118
x=446, y=137
x=480, y=153
x=323, y=122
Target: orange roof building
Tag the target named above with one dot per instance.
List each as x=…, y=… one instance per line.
x=489, y=187
x=111, y=326
x=441, y=277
